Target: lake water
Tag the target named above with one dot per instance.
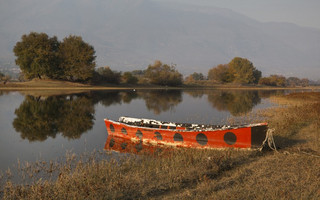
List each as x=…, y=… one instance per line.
x=40, y=127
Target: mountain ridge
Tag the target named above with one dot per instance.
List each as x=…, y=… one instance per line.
x=129, y=35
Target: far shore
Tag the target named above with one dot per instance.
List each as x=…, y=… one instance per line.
x=65, y=85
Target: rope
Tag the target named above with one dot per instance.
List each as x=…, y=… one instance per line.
x=269, y=140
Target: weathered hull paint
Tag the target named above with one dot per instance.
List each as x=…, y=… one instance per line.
x=249, y=137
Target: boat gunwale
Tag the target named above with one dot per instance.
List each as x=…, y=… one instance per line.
x=190, y=130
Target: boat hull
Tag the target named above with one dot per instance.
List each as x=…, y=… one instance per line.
x=249, y=137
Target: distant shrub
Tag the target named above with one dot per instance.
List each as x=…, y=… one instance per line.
x=128, y=78
x=163, y=74
x=106, y=75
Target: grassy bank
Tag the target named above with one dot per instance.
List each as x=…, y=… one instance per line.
x=290, y=173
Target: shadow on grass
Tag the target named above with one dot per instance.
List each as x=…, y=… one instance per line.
x=285, y=142
x=224, y=164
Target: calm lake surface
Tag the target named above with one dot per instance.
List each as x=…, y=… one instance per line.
x=39, y=127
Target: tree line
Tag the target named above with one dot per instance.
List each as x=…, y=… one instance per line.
x=157, y=73
x=279, y=80
x=41, y=56
x=242, y=71
x=72, y=59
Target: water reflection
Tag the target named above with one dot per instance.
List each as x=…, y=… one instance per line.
x=38, y=118
x=236, y=102
x=157, y=101
x=269, y=93
x=161, y=101
x=109, y=98
x=125, y=145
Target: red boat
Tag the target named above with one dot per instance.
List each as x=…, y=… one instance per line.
x=153, y=132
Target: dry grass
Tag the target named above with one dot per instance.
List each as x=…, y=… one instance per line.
x=62, y=86
x=46, y=83
x=133, y=177
x=267, y=177
x=297, y=123
x=291, y=173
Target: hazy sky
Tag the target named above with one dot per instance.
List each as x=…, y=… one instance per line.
x=301, y=12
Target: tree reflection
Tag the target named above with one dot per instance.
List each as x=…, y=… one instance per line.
x=128, y=96
x=76, y=117
x=163, y=100
x=270, y=93
x=195, y=93
x=39, y=118
x=156, y=100
x=236, y=102
x=108, y=98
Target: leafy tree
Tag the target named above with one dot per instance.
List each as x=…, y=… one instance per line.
x=305, y=82
x=294, y=81
x=266, y=81
x=163, y=74
x=278, y=80
x=106, y=75
x=220, y=74
x=197, y=76
x=257, y=75
x=21, y=77
x=242, y=71
x=189, y=79
x=37, y=55
x=128, y=78
x=77, y=59
x=273, y=80
x=138, y=72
